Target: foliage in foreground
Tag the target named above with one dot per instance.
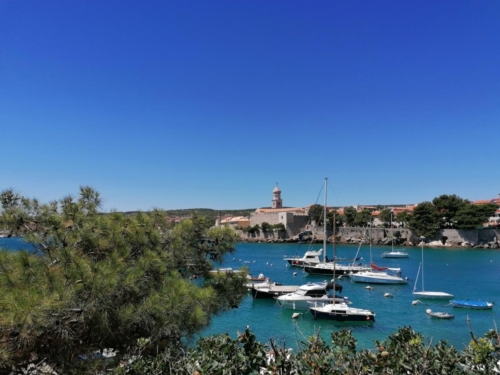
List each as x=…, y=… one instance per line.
x=404, y=352
x=94, y=281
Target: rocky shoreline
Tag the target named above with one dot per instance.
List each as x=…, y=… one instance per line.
x=353, y=240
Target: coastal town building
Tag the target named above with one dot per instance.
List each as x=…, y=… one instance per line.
x=233, y=221
x=296, y=219
x=493, y=221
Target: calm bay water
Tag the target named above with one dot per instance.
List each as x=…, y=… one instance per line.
x=468, y=274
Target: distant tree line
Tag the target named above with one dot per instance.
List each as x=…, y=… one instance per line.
x=208, y=213
x=445, y=211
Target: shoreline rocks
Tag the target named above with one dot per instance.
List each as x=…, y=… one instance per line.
x=353, y=236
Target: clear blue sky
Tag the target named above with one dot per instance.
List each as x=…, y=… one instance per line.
x=209, y=104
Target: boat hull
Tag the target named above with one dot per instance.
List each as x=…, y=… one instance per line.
x=299, y=262
x=377, y=279
x=477, y=305
x=395, y=255
x=271, y=292
x=342, y=315
x=433, y=295
x=305, y=304
x=339, y=270
x=310, y=257
x=439, y=314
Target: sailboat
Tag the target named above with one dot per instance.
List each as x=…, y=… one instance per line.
x=424, y=293
x=338, y=311
x=326, y=268
x=379, y=275
x=398, y=253
x=314, y=292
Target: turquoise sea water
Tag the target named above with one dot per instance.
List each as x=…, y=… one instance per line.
x=468, y=274
x=13, y=244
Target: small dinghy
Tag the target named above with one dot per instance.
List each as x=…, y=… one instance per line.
x=439, y=314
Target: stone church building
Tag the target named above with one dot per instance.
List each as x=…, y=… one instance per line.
x=293, y=218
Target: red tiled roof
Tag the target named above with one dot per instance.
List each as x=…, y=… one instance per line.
x=483, y=201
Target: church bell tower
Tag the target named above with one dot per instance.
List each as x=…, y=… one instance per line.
x=277, y=201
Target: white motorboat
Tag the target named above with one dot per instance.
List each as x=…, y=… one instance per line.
x=341, y=312
x=310, y=257
x=339, y=269
x=424, y=294
x=310, y=292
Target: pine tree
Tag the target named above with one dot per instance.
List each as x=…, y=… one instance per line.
x=92, y=280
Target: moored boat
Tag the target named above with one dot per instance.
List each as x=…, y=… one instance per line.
x=379, y=275
x=310, y=292
x=394, y=253
x=439, y=314
x=424, y=294
x=271, y=290
x=341, y=312
x=478, y=305
x=310, y=257
x=330, y=268
x=401, y=253
x=256, y=280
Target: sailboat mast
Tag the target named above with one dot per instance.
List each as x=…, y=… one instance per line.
x=324, y=222
x=423, y=265
x=334, y=240
x=370, y=244
x=392, y=236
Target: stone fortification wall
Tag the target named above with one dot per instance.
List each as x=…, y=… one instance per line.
x=298, y=225
x=272, y=236
x=445, y=237
x=270, y=218
x=487, y=237
x=379, y=236
x=473, y=237
x=457, y=236
x=292, y=228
